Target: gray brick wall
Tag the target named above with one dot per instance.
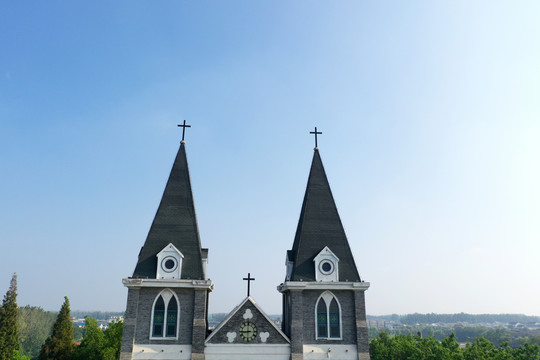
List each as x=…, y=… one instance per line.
x=199, y=325
x=353, y=317
x=144, y=316
x=361, y=325
x=348, y=317
x=193, y=305
x=130, y=317
x=297, y=323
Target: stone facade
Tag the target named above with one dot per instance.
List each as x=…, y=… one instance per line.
x=192, y=329
x=300, y=321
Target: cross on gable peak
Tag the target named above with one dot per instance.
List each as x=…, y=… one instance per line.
x=248, y=279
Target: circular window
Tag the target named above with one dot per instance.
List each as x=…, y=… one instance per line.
x=326, y=267
x=169, y=264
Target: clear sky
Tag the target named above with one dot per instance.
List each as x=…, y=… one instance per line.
x=430, y=116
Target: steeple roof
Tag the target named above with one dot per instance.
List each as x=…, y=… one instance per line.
x=175, y=223
x=320, y=226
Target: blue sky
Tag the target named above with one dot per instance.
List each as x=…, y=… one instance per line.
x=430, y=121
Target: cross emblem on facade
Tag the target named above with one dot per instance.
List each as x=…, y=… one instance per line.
x=248, y=279
x=184, y=126
x=315, y=133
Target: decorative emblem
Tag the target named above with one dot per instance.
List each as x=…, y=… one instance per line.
x=231, y=336
x=264, y=336
x=248, y=331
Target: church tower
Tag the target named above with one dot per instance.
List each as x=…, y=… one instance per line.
x=323, y=296
x=167, y=305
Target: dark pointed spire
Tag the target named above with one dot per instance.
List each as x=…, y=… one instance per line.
x=175, y=222
x=320, y=226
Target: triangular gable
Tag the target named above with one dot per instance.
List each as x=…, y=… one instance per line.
x=228, y=331
x=170, y=248
x=326, y=253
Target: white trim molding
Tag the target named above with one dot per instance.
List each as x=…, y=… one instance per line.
x=247, y=351
x=161, y=351
x=170, y=283
x=319, y=352
x=323, y=285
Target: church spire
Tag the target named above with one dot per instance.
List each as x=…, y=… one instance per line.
x=319, y=227
x=175, y=223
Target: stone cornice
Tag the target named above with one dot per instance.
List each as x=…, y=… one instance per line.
x=323, y=285
x=169, y=283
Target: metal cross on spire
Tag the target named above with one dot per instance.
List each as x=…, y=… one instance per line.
x=248, y=279
x=315, y=133
x=184, y=126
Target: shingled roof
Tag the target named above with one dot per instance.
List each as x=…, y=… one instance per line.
x=175, y=223
x=320, y=226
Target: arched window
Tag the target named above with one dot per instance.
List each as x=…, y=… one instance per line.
x=165, y=316
x=172, y=315
x=322, y=320
x=159, y=317
x=328, y=317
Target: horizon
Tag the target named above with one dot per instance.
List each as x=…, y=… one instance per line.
x=429, y=119
x=269, y=314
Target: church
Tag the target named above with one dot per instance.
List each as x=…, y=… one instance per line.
x=324, y=314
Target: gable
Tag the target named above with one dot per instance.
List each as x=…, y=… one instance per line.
x=228, y=332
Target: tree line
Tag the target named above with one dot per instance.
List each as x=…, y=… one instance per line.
x=497, y=335
x=30, y=333
x=412, y=319
x=408, y=347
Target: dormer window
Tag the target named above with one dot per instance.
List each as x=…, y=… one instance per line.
x=169, y=264
x=326, y=266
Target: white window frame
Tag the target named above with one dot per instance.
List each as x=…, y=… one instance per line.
x=327, y=297
x=167, y=295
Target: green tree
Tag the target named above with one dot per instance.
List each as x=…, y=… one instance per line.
x=18, y=355
x=527, y=352
x=113, y=340
x=59, y=346
x=481, y=349
x=91, y=347
x=35, y=325
x=9, y=336
x=451, y=345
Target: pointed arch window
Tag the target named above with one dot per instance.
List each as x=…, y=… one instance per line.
x=165, y=316
x=328, y=317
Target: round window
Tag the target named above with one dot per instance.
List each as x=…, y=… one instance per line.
x=326, y=267
x=169, y=264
